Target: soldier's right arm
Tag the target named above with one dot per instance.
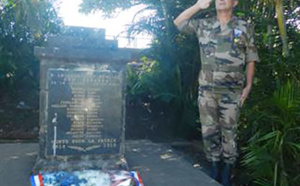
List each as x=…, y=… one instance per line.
x=190, y=12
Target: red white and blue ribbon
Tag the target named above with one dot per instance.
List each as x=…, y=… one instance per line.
x=36, y=180
x=138, y=179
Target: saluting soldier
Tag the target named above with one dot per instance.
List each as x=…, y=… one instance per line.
x=228, y=57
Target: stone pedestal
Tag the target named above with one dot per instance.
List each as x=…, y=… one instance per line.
x=82, y=101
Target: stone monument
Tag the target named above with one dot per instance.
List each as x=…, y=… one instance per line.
x=82, y=101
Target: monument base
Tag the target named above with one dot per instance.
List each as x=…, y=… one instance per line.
x=87, y=178
x=88, y=162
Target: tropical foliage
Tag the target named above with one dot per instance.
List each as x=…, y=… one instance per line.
x=23, y=25
x=272, y=154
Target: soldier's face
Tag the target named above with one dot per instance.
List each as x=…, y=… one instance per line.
x=226, y=4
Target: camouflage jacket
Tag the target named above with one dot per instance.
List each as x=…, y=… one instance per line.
x=224, y=50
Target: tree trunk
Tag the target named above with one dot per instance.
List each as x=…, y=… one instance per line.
x=282, y=26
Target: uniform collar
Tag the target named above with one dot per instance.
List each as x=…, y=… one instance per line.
x=231, y=24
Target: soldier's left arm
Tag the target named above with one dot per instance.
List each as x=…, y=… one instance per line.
x=250, y=70
x=251, y=59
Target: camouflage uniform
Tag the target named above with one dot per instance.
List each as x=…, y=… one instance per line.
x=224, y=54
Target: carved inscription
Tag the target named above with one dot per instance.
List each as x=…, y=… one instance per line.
x=84, y=112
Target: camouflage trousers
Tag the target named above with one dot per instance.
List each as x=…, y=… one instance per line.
x=219, y=113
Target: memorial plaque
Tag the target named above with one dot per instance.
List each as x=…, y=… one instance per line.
x=84, y=112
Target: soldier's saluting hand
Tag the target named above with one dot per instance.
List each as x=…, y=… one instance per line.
x=203, y=4
x=188, y=13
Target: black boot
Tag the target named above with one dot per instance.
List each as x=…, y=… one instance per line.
x=214, y=169
x=226, y=174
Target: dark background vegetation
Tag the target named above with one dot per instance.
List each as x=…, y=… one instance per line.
x=162, y=85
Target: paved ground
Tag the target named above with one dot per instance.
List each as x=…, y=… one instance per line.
x=16, y=161
x=159, y=165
